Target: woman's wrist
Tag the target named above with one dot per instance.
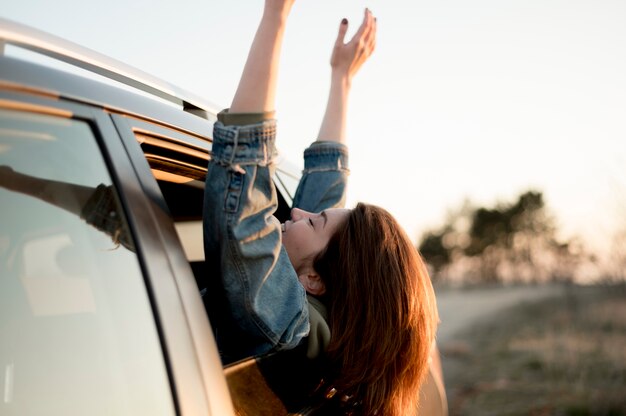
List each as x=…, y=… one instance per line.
x=275, y=18
x=277, y=10
x=340, y=78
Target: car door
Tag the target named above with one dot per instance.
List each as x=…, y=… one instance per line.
x=93, y=319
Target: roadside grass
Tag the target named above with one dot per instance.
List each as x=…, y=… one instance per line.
x=561, y=356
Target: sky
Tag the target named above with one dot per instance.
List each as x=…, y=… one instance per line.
x=462, y=99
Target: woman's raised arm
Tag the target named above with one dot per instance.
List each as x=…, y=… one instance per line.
x=257, y=86
x=323, y=184
x=346, y=60
x=257, y=303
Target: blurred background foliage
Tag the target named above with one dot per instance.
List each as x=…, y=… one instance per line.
x=559, y=354
x=515, y=242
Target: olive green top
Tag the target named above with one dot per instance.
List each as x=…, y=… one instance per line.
x=242, y=119
x=319, y=334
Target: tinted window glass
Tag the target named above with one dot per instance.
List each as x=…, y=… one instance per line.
x=77, y=335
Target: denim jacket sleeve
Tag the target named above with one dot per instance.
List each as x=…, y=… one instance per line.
x=243, y=238
x=264, y=296
x=325, y=176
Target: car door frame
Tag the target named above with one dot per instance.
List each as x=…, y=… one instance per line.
x=191, y=306
x=189, y=351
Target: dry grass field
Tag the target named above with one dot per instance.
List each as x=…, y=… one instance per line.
x=561, y=356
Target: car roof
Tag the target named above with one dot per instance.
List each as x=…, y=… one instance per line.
x=150, y=98
x=117, y=88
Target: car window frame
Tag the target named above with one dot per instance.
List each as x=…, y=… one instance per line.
x=191, y=306
x=181, y=323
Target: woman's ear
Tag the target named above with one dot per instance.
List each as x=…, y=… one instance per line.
x=312, y=283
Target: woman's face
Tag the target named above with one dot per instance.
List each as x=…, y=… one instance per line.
x=307, y=234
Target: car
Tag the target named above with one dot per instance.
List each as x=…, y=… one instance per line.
x=104, y=311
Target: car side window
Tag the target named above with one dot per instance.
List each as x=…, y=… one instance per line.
x=77, y=333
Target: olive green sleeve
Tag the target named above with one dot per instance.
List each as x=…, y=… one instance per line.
x=242, y=119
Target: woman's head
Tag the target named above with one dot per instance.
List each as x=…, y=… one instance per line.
x=382, y=310
x=305, y=236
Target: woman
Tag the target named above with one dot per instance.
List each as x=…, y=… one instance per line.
x=348, y=285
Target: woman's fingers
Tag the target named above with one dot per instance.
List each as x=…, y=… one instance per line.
x=348, y=57
x=365, y=38
x=364, y=25
x=370, y=38
x=341, y=35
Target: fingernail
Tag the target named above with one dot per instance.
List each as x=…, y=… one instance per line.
x=344, y=21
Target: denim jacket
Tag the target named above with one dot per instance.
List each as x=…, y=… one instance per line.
x=267, y=307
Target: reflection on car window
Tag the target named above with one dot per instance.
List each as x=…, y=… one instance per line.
x=77, y=334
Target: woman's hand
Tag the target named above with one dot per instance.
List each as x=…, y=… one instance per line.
x=347, y=58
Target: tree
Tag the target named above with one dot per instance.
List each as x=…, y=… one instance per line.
x=434, y=251
x=513, y=242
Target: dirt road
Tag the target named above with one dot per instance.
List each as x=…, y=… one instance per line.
x=461, y=309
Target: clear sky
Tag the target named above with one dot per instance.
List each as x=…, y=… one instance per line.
x=478, y=99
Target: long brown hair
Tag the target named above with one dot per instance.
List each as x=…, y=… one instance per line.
x=382, y=313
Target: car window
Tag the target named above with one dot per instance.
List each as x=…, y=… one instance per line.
x=77, y=334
